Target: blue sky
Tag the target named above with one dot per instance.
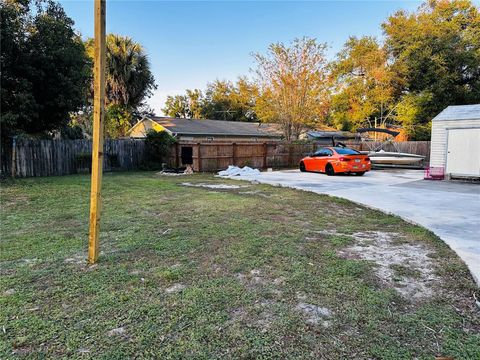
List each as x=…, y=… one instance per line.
x=192, y=43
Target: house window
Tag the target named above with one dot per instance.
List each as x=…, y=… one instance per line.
x=210, y=138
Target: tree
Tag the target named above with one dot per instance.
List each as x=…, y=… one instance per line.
x=222, y=100
x=363, y=84
x=184, y=106
x=436, y=50
x=177, y=106
x=293, y=83
x=44, y=67
x=230, y=101
x=129, y=82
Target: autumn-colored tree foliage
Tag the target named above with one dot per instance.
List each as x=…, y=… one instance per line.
x=292, y=82
x=363, y=84
x=430, y=59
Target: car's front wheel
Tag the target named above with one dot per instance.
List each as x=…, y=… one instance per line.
x=302, y=167
x=329, y=170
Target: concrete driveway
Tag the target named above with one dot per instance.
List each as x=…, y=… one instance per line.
x=449, y=209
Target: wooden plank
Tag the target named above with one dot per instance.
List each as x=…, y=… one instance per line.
x=199, y=158
x=98, y=117
x=265, y=150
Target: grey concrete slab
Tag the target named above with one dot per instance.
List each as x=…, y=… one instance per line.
x=449, y=209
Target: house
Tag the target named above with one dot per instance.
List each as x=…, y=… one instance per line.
x=455, y=142
x=198, y=131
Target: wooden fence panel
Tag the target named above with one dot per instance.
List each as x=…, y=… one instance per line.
x=27, y=157
x=217, y=156
x=32, y=157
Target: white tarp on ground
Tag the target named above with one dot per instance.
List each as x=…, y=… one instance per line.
x=236, y=171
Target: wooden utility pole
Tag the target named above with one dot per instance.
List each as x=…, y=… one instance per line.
x=98, y=124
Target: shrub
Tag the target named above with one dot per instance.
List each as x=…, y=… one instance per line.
x=83, y=162
x=158, y=146
x=113, y=161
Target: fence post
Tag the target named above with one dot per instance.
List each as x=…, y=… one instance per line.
x=98, y=123
x=264, y=155
x=14, y=155
x=177, y=162
x=289, y=157
x=199, y=157
x=234, y=146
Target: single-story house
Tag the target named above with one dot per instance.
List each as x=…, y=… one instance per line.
x=194, y=130
x=455, y=142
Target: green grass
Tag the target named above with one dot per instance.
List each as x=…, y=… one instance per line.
x=242, y=262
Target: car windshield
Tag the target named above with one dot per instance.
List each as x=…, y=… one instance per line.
x=346, y=151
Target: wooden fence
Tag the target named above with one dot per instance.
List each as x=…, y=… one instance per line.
x=27, y=157
x=32, y=157
x=217, y=156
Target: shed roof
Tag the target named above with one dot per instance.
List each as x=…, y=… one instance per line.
x=459, y=112
x=216, y=127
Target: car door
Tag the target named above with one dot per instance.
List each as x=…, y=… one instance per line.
x=308, y=162
x=327, y=157
x=318, y=160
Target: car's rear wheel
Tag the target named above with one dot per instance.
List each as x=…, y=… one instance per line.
x=302, y=167
x=329, y=170
x=361, y=173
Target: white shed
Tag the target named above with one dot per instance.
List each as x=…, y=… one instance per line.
x=455, y=144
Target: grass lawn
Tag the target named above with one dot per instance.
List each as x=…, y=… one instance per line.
x=254, y=272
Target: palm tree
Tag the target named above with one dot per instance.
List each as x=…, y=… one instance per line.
x=129, y=80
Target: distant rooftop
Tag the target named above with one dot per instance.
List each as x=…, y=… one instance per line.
x=216, y=127
x=459, y=112
x=339, y=135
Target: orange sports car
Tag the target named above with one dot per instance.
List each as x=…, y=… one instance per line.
x=334, y=160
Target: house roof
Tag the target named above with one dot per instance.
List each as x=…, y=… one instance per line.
x=329, y=134
x=216, y=127
x=459, y=112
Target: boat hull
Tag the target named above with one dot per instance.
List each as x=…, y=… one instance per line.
x=394, y=158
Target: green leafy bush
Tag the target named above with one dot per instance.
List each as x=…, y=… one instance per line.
x=158, y=147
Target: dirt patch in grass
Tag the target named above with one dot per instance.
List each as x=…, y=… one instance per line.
x=252, y=279
x=175, y=288
x=314, y=313
x=406, y=267
x=20, y=200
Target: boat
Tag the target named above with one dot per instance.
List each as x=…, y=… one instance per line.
x=379, y=157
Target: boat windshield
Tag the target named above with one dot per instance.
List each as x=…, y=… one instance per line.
x=346, y=151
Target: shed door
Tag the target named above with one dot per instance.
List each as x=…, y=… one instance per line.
x=463, y=152
x=187, y=155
